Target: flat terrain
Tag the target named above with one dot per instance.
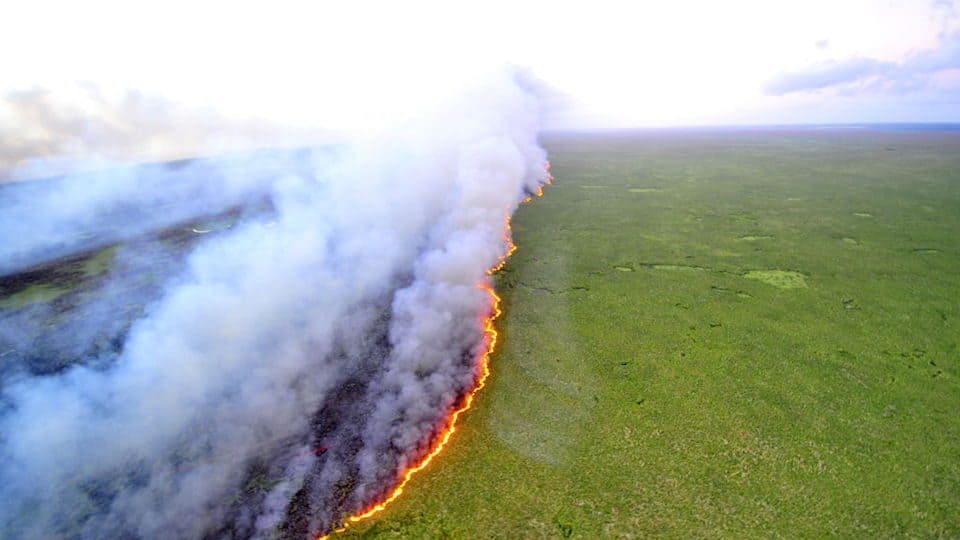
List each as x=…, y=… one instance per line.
x=719, y=334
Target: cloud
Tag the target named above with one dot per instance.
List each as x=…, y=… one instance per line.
x=946, y=8
x=825, y=76
x=858, y=75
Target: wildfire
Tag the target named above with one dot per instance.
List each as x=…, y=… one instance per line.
x=511, y=247
x=539, y=193
x=508, y=231
x=488, y=344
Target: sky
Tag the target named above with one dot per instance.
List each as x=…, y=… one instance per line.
x=361, y=65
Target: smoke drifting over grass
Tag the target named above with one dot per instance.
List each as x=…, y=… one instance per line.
x=83, y=126
x=297, y=366
x=49, y=218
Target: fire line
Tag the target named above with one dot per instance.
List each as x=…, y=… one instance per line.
x=489, y=342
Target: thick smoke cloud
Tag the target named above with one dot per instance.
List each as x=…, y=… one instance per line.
x=352, y=320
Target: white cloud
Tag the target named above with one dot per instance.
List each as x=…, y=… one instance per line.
x=856, y=76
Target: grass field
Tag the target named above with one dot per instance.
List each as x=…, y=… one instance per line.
x=713, y=333
x=739, y=334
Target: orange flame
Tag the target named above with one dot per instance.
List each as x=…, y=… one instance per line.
x=508, y=241
x=489, y=342
x=508, y=231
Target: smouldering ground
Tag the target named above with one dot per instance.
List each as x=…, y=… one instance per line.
x=719, y=334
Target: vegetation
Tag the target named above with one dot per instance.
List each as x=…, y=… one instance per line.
x=718, y=334
x=704, y=334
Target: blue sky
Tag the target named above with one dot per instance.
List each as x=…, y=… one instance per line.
x=360, y=65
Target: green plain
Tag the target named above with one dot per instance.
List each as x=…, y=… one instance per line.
x=718, y=334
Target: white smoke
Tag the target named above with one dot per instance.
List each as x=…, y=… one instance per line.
x=45, y=219
x=234, y=367
x=67, y=158
x=85, y=127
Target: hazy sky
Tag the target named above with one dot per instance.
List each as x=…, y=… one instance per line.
x=353, y=63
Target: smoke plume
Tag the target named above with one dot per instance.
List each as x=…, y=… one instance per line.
x=300, y=361
x=83, y=126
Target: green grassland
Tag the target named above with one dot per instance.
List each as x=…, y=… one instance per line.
x=736, y=334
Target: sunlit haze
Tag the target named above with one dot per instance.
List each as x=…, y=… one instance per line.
x=361, y=65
